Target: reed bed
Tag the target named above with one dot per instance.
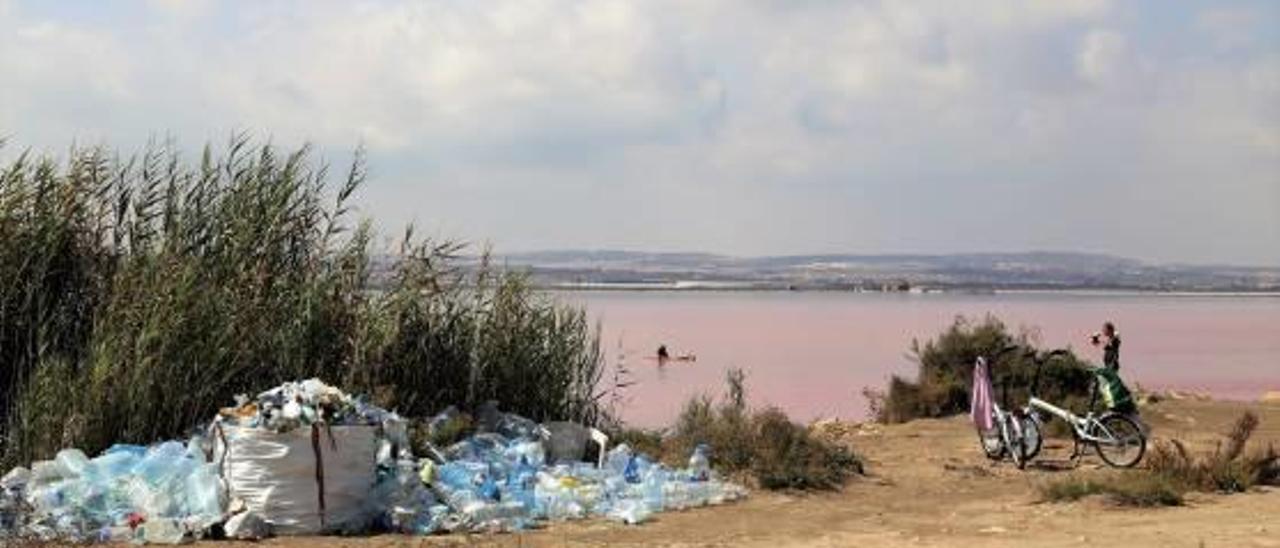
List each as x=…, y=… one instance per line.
x=140, y=293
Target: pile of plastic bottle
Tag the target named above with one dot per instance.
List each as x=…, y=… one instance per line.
x=295, y=404
x=502, y=480
x=512, y=475
x=159, y=494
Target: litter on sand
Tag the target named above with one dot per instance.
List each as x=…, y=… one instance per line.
x=308, y=458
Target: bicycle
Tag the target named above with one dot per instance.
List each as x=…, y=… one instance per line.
x=1014, y=432
x=1118, y=439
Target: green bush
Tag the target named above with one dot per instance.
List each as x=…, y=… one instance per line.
x=945, y=373
x=787, y=456
x=762, y=445
x=137, y=295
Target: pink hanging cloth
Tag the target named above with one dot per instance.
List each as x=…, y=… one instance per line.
x=981, y=404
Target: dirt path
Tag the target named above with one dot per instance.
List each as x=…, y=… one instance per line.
x=932, y=487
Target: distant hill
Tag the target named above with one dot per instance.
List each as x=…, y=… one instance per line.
x=1029, y=270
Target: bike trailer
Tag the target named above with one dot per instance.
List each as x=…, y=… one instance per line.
x=1114, y=393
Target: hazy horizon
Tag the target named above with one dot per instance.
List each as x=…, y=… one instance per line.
x=1139, y=130
x=890, y=253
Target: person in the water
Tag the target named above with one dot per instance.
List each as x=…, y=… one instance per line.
x=664, y=356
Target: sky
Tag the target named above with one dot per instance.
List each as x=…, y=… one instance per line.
x=749, y=127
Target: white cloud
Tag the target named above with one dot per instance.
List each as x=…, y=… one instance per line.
x=1100, y=56
x=183, y=8
x=813, y=109
x=59, y=78
x=1230, y=26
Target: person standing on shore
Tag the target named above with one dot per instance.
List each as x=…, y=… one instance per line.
x=1109, y=340
x=1114, y=391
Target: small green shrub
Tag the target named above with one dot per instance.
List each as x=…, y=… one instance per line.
x=945, y=373
x=1070, y=489
x=1127, y=488
x=787, y=456
x=762, y=445
x=1142, y=489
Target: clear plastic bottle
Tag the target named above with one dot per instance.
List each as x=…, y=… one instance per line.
x=675, y=495
x=73, y=461
x=557, y=503
x=456, y=475
x=699, y=464
x=630, y=511
x=619, y=458
x=461, y=500
x=161, y=531
x=520, y=485
x=655, y=480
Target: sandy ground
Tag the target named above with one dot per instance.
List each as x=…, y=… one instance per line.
x=930, y=486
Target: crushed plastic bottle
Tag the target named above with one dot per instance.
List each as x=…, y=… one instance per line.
x=79, y=499
x=510, y=476
x=619, y=458
x=630, y=511
x=162, y=531
x=246, y=526
x=655, y=480
x=12, y=485
x=296, y=404
x=627, y=487
x=699, y=465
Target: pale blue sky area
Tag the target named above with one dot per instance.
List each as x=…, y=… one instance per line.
x=1145, y=129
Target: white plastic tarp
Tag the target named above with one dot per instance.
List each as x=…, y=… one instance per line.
x=275, y=474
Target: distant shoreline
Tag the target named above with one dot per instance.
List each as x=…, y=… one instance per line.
x=731, y=287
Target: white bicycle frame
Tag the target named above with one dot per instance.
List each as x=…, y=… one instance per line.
x=1078, y=423
x=1089, y=430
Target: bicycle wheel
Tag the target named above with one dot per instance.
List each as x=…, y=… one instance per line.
x=991, y=442
x=1031, y=437
x=1121, y=442
x=1014, y=441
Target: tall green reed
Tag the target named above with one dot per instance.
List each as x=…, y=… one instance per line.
x=138, y=294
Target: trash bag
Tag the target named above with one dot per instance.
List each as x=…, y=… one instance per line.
x=304, y=480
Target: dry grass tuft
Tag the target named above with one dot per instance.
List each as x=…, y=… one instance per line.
x=1128, y=488
x=1172, y=470
x=1229, y=468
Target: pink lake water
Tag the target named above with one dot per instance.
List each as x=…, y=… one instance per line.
x=812, y=353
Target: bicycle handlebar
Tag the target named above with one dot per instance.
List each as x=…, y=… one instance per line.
x=1037, y=358
x=1040, y=361
x=1006, y=350
x=1031, y=353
